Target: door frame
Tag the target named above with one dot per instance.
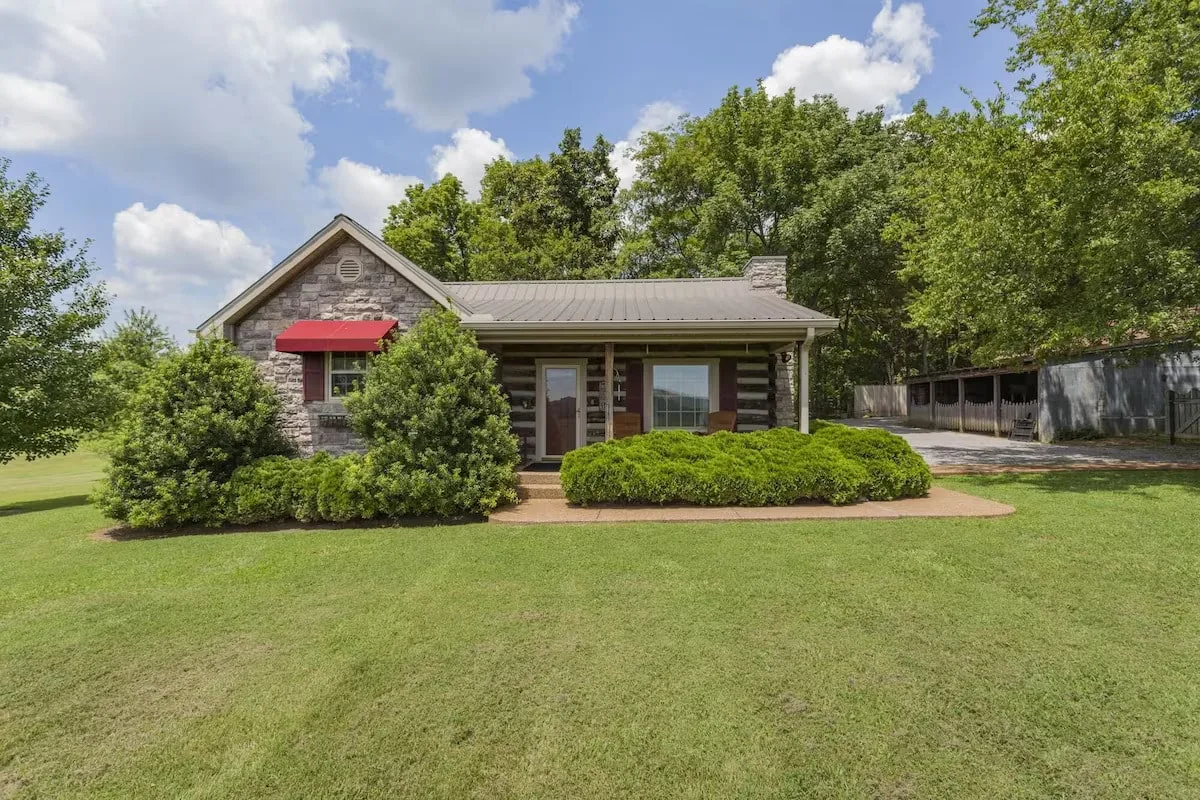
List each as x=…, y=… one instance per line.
x=580, y=366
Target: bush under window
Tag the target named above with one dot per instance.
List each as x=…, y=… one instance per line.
x=767, y=468
x=436, y=424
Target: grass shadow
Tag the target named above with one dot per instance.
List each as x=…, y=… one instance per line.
x=45, y=504
x=124, y=533
x=1135, y=482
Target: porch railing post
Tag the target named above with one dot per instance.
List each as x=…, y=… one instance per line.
x=933, y=404
x=1171, y=416
x=996, y=402
x=608, y=391
x=805, y=346
x=962, y=406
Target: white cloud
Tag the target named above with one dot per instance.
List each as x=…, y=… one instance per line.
x=36, y=115
x=363, y=192
x=179, y=265
x=449, y=58
x=653, y=117
x=468, y=154
x=197, y=99
x=861, y=75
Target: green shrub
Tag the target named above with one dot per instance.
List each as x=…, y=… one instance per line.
x=837, y=465
x=436, y=424
x=777, y=467
x=196, y=418
x=317, y=489
x=1083, y=434
x=895, y=469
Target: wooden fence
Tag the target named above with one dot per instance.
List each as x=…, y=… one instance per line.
x=981, y=417
x=1183, y=415
x=1011, y=412
x=881, y=400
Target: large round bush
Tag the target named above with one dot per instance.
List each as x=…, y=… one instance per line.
x=767, y=468
x=196, y=418
x=436, y=424
x=895, y=469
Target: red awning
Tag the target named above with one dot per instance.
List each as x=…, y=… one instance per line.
x=323, y=335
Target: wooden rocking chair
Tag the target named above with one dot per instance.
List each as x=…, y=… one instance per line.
x=722, y=421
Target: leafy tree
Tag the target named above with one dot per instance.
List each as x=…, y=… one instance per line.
x=136, y=344
x=560, y=214
x=842, y=265
x=436, y=424
x=1069, y=218
x=49, y=311
x=536, y=219
x=773, y=176
x=197, y=417
x=717, y=189
x=433, y=226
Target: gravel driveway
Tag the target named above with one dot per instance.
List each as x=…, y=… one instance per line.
x=953, y=449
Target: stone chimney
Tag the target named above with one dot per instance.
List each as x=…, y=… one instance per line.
x=768, y=273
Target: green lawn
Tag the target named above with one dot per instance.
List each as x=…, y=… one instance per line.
x=1052, y=653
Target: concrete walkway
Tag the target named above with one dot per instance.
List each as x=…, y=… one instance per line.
x=949, y=451
x=940, y=503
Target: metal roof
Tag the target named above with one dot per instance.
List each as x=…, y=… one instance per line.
x=653, y=300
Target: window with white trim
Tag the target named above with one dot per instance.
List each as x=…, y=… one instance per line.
x=347, y=373
x=682, y=394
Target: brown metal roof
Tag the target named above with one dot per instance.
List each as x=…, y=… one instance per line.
x=654, y=300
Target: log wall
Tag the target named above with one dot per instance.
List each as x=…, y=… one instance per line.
x=517, y=365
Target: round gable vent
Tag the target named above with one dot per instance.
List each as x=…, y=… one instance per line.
x=349, y=270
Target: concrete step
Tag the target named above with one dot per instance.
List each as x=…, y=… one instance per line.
x=537, y=478
x=540, y=492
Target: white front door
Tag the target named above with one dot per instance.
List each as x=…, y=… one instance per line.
x=561, y=407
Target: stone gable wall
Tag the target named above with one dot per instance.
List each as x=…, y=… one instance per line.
x=318, y=293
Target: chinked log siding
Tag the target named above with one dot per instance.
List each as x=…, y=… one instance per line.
x=752, y=366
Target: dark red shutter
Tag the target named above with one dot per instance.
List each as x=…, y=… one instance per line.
x=728, y=384
x=634, y=403
x=314, y=376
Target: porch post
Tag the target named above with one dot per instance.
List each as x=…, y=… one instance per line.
x=608, y=391
x=933, y=405
x=962, y=405
x=805, y=346
x=996, y=402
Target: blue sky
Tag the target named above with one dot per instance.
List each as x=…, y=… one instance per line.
x=198, y=141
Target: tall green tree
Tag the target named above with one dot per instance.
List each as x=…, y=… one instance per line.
x=49, y=312
x=717, y=189
x=1068, y=218
x=551, y=218
x=128, y=353
x=764, y=175
x=433, y=226
x=537, y=218
x=841, y=264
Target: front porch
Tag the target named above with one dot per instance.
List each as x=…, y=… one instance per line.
x=564, y=396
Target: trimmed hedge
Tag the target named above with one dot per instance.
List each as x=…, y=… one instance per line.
x=895, y=470
x=317, y=489
x=838, y=465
